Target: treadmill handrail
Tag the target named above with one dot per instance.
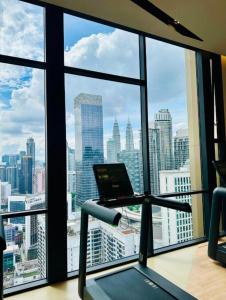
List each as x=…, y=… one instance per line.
x=172, y=204
x=102, y=213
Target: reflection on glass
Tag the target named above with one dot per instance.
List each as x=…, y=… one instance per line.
x=103, y=126
x=173, y=139
x=97, y=47
x=24, y=260
x=22, y=134
x=22, y=29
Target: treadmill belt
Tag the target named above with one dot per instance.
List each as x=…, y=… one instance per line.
x=133, y=285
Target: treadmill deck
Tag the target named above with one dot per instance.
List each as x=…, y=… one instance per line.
x=131, y=284
x=134, y=283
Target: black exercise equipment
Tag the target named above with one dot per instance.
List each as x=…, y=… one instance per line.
x=220, y=166
x=2, y=248
x=133, y=283
x=217, y=251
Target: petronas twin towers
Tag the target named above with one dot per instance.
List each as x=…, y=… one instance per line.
x=114, y=144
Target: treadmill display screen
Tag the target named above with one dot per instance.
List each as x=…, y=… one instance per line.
x=112, y=181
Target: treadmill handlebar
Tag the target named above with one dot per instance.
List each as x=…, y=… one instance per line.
x=173, y=204
x=102, y=213
x=2, y=235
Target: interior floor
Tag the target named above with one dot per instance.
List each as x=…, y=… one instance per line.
x=189, y=268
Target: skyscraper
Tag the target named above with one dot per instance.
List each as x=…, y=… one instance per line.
x=16, y=203
x=163, y=122
x=31, y=150
x=70, y=158
x=88, y=114
x=129, y=137
x=176, y=225
x=2, y=173
x=181, y=148
x=111, y=153
x=154, y=159
x=131, y=159
x=116, y=137
x=25, y=176
x=12, y=177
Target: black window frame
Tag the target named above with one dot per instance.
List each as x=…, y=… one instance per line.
x=56, y=211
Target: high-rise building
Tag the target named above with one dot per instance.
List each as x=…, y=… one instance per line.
x=31, y=150
x=22, y=153
x=176, y=225
x=39, y=180
x=163, y=122
x=129, y=137
x=31, y=228
x=10, y=159
x=71, y=176
x=41, y=233
x=25, y=176
x=2, y=173
x=116, y=137
x=111, y=153
x=181, y=148
x=88, y=114
x=70, y=158
x=5, y=192
x=154, y=159
x=71, y=181
x=16, y=203
x=131, y=159
x=12, y=177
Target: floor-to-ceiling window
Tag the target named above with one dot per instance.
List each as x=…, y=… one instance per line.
x=22, y=147
x=103, y=119
x=174, y=143
x=106, y=74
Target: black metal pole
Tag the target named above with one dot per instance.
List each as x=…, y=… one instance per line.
x=83, y=253
x=2, y=248
x=144, y=231
x=56, y=146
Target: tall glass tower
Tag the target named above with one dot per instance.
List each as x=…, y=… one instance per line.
x=88, y=112
x=129, y=137
x=25, y=177
x=181, y=148
x=31, y=150
x=116, y=138
x=154, y=159
x=163, y=122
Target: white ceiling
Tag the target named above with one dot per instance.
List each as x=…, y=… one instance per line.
x=205, y=18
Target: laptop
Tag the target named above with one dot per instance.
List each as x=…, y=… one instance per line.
x=112, y=181
x=220, y=166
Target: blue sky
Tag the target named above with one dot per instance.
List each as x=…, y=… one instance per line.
x=82, y=28
x=88, y=45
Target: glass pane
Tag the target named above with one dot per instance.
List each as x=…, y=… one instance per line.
x=24, y=260
x=22, y=135
x=22, y=29
x=103, y=125
x=174, y=146
x=93, y=46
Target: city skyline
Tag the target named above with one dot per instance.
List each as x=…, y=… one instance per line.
x=113, y=122
x=22, y=89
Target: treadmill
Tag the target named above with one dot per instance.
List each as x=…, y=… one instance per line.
x=217, y=251
x=133, y=283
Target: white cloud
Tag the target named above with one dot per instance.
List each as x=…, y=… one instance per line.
x=25, y=117
x=21, y=32
x=116, y=52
